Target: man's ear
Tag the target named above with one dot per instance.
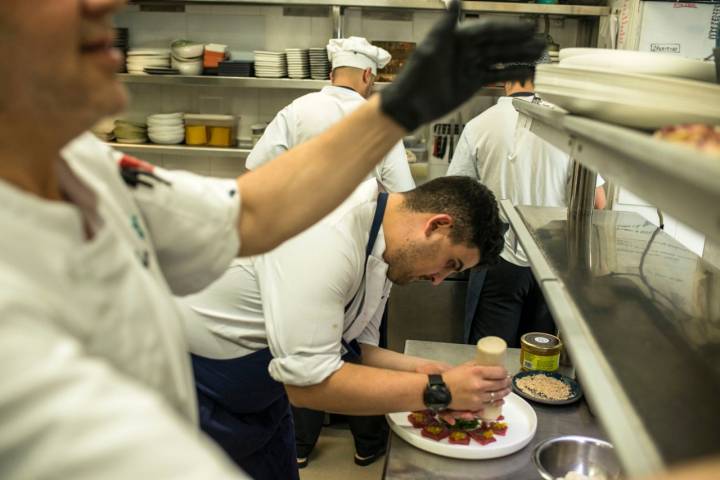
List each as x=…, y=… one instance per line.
x=367, y=75
x=438, y=222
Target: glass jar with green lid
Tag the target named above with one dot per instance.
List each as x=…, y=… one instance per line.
x=540, y=351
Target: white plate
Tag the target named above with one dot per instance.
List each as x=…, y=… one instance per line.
x=646, y=63
x=574, y=52
x=166, y=116
x=519, y=415
x=638, y=113
x=688, y=94
x=149, y=51
x=167, y=140
x=270, y=54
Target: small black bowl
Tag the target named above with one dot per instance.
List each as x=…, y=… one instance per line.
x=575, y=390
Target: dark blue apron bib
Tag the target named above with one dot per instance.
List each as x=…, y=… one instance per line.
x=247, y=412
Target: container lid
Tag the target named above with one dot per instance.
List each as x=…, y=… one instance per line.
x=542, y=341
x=209, y=119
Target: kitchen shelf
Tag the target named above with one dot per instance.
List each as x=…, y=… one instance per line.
x=640, y=317
x=676, y=179
x=180, y=150
x=251, y=82
x=216, y=81
x=468, y=6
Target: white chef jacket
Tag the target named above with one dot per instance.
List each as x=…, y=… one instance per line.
x=514, y=163
x=293, y=299
x=312, y=114
x=94, y=376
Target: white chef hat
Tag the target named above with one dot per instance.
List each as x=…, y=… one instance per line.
x=356, y=52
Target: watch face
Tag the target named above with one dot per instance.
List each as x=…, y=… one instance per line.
x=436, y=397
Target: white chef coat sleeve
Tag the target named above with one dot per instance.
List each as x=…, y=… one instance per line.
x=395, y=171
x=463, y=161
x=371, y=334
x=67, y=414
x=276, y=139
x=193, y=225
x=304, y=285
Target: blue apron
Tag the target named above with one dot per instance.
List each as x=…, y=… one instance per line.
x=247, y=412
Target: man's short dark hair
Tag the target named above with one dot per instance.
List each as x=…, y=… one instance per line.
x=471, y=205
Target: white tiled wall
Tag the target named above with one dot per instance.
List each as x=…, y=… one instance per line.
x=247, y=28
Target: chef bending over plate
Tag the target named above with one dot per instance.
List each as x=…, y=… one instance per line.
x=304, y=319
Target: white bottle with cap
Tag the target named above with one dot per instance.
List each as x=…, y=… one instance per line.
x=491, y=352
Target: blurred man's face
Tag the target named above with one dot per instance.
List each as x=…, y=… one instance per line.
x=432, y=258
x=58, y=65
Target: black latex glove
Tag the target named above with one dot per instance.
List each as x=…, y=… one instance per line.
x=455, y=61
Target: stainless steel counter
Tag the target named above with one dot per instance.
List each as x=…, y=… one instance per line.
x=405, y=462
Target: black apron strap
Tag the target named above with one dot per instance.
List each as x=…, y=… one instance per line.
x=353, y=348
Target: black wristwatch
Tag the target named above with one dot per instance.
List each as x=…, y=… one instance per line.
x=437, y=395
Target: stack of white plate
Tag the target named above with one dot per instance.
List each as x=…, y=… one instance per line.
x=140, y=58
x=631, y=99
x=270, y=64
x=166, y=128
x=630, y=61
x=319, y=64
x=298, y=62
x=554, y=56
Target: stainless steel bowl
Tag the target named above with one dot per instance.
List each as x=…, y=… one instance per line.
x=556, y=457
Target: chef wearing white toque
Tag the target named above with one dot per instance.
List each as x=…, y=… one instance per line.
x=355, y=63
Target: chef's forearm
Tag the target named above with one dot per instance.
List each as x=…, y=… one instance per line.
x=301, y=186
x=362, y=390
x=383, y=358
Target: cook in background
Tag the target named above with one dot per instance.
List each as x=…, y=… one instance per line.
x=354, y=67
x=305, y=318
x=95, y=379
x=505, y=299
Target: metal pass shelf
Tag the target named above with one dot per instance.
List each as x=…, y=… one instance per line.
x=640, y=317
x=468, y=6
x=180, y=150
x=675, y=178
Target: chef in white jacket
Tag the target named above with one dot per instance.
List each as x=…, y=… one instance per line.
x=95, y=379
x=354, y=67
x=505, y=300
x=296, y=319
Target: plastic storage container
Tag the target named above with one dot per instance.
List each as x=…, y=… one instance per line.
x=210, y=130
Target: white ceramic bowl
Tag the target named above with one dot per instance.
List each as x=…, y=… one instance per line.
x=166, y=116
x=188, y=68
x=172, y=131
x=185, y=49
x=164, y=123
x=166, y=139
